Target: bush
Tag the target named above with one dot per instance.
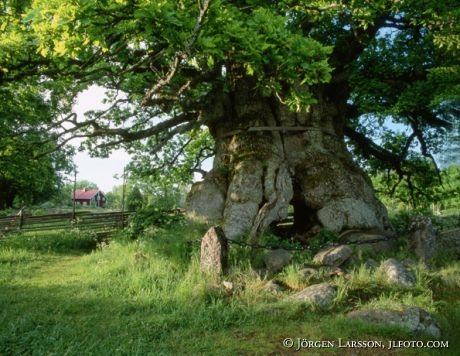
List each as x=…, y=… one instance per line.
x=401, y=220
x=135, y=199
x=324, y=238
x=152, y=216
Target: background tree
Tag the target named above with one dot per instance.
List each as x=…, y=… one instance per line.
x=31, y=171
x=281, y=86
x=83, y=183
x=114, y=197
x=135, y=199
x=449, y=192
x=436, y=194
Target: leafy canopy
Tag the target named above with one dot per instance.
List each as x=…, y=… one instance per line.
x=164, y=63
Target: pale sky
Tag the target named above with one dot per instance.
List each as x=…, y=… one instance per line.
x=102, y=170
x=98, y=170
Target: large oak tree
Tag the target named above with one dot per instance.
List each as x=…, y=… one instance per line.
x=282, y=86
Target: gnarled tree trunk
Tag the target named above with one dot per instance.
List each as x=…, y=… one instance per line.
x=268, y=158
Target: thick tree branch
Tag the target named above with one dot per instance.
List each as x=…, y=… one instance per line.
x=369, y=147
x=166, y=134
x=181, y=56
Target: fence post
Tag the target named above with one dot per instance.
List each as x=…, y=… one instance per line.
x=123, y=200
x=74, y=190
x=21, y=218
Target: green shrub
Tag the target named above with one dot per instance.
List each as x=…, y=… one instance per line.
x=152, y=217
x=401, y=220
x=324, y=238
x=273, y=241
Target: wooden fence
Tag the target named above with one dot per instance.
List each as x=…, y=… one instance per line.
x=95, y=222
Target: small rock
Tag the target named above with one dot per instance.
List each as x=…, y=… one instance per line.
x=307, y=272
x=320, y=295
x=273, y=287
x=335, y=272
x=276, y=260
x=228, y=286
x=396, y=273
x=416, y=320
x=333, y=255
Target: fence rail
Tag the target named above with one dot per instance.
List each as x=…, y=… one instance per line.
x=96, y=222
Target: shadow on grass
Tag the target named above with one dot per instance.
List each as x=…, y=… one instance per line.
x=75, y=319
x=72, y=242
x=60, y=320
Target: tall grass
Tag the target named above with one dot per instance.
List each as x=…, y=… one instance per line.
x=148, y=297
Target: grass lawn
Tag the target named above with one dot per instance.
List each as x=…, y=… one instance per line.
x=61, y=294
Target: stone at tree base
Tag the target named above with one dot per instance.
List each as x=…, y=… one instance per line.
x=320, y=295
x=415, y=319
x=333, y=255
x=214, y=252
x=276, y=260
x=359, y=241
x=422, y=239
x=396, y=273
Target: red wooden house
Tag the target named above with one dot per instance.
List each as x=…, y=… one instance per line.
x=90, y=197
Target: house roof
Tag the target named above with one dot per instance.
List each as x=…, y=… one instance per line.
x=84, y=194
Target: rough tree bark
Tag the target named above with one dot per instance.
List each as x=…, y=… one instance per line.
x=268, y=158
